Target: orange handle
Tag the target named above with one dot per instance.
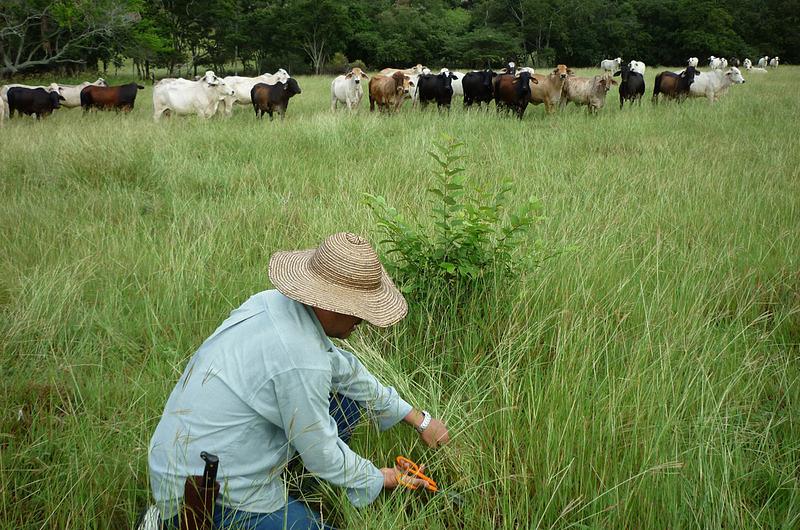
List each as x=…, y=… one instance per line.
x=411, y=468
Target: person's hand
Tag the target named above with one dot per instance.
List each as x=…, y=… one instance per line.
x=395, y=476
x=436, y=434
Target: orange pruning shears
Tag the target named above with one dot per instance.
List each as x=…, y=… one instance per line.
x=411, y=468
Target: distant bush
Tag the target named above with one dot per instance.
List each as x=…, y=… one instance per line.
x=358, y=63
x=339, y=64
x=472, y=235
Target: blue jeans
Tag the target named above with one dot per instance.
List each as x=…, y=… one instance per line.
x=296, y=515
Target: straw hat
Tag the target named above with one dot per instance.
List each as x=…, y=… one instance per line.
x=342, y=275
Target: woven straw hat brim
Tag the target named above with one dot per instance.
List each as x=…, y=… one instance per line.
x=290, y=273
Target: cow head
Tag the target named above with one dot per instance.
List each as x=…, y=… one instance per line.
x=210, y=78
x=55, y=99
x=282, y=75
x=735, y=75
x=624, y=72
x=687, y=76
x=219, y=85
x=291, y=87
x=561, y=71
x=400, y=81
x=523, y=81
x=356, y=75
x=604, y=82
x=100, y=82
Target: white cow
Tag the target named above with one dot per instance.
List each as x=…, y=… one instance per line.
x=637, y=66
x=414, y=70
x=693, y=61
x=4, y=94
x=774, y=61
x=348, y=89
x=243, y=85
x=611, y=65
x=748, y=64
x=715, y=63
x=714, y=84
x=72, y=93
x=762, y=62
x=182, y=97
x=757, y=70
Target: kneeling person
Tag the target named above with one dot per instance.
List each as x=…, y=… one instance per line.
x=269, y=382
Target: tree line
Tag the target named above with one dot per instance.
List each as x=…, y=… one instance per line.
x=324, y=36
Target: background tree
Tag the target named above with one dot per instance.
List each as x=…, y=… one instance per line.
x=35, y=33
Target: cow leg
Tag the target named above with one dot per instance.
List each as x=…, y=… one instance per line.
x=269, y=111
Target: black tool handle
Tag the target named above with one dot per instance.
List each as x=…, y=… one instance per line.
x=210, y=471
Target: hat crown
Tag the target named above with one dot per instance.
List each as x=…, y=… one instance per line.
x=348, y=260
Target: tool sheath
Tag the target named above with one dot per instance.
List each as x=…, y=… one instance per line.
x=199, y=496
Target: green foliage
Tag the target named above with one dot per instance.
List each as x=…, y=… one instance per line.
x=471, y=235
x=338, y=64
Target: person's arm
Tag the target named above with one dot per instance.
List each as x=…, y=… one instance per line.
x=302, y=402
x=353, y=380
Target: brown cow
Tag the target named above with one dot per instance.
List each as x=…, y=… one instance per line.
x=513, y=92
x=672, y=85
x=120, y=97
x=387, y=91
x=549, y=87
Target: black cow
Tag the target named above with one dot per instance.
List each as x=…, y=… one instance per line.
x=438, y=88
x=513, y=92
x=269, y=98
x=674, y=86
x=734, y=61
x=478, y=87
x=632, y=85
x=33, y=101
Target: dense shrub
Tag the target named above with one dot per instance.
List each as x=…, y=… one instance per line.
x=472, y=234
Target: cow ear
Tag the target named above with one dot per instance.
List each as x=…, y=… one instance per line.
x=613, y=82
x=365, y=76
x=349, y=76
x=616, y=74
x=570, y=72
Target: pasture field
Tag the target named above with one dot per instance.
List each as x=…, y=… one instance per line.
x=646, y=377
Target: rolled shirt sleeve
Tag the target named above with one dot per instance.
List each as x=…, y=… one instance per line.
x=302, y=399
x=351, y=379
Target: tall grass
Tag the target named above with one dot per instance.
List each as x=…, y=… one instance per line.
x=648, y=378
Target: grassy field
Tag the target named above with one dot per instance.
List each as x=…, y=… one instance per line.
x=645, y=378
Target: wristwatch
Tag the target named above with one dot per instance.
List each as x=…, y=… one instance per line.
x=426, y=420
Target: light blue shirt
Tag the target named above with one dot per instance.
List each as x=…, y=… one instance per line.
x=256, y=392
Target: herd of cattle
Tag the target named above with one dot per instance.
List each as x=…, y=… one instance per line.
x=512, y=89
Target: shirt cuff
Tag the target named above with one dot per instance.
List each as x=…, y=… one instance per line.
x=392, y=417
x=360, y=497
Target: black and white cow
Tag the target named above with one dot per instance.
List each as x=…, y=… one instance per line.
x=632, y=85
